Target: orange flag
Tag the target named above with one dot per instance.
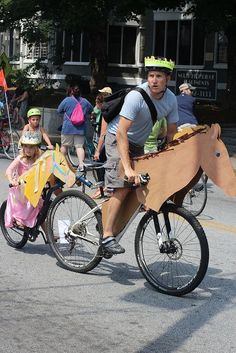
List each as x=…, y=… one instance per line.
x=3, y=81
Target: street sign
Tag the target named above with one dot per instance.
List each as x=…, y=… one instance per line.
x=204, y=81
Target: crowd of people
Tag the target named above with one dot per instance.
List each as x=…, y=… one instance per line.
x=131, y=133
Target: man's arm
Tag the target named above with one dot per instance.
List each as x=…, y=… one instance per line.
x=171, y=131
x=123, y=148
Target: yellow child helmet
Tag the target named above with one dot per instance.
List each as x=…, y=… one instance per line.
x=30, y=138
x=33, y=112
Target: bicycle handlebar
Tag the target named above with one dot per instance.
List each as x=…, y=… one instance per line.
x=144, y=179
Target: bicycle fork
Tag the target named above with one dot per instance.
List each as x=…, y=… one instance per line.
x=163, y=238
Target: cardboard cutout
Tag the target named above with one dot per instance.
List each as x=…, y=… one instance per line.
x=176, y=169
x=50, y=163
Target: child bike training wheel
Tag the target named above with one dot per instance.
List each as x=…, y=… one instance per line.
x=171, y=249
x=74, y=230
x=15, y=236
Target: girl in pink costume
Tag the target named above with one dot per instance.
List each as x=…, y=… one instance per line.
x=19, y=211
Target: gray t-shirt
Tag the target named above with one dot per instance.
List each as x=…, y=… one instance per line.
x=136, y=109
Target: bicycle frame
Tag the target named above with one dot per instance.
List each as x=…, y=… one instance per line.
x=99, y=208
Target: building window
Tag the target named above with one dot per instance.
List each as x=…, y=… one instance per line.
x=74, y=46
x=179, y=40
x=122, y=44
x=38, y=51
x=10, y=43
x=221, y=48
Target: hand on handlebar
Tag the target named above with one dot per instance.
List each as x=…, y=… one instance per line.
x=143, y=179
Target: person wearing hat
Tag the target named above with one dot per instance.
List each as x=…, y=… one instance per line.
x=19, y=211
x=185, y=105
x=126, y=136
x=106, y=91
x=34, y=117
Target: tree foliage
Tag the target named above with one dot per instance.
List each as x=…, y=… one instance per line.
x=38, y=17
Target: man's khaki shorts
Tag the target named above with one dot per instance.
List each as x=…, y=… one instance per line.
x=112, y=178
x=72, y=140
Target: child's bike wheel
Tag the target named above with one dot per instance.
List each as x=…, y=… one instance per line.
x=15, y=236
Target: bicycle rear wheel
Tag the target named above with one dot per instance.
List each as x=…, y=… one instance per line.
x=10, y=143
x=196, y=199
x=181, y=265
x=14, y=236
x=78, y=229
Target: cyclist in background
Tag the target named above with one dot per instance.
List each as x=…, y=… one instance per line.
x=34, y=117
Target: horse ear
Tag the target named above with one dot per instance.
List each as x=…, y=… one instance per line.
x=215, y=131
x=57, y=147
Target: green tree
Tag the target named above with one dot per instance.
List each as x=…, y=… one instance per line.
x=39, y=17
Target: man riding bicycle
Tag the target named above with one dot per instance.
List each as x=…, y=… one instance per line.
x=127, y=134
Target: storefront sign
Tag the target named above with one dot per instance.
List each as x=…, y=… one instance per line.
x=204, y=81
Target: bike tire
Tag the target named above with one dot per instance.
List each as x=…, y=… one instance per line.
x=78, y=254
x=14, y=236
x=72, y=156
x=195, y=200
x=181, y=271
x=10, y=148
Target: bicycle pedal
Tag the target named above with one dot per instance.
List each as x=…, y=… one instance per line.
x=107, y=255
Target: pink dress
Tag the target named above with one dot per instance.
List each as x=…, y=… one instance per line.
x=18, y=207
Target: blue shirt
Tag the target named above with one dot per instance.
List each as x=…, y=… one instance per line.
x=67, y=106
x=185, y=109
x=136, y=109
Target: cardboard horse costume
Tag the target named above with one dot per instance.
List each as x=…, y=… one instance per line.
x=49, y=164
x=176, y=169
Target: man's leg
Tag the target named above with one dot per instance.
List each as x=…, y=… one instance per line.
x=80, y=154
x=109, y=242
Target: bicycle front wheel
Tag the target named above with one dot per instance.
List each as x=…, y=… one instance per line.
x=10, y=141
x=74, y=230
x=14, y=236
x=196, y=199
x=178, y=267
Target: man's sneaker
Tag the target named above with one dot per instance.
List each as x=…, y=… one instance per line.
x=110, y=245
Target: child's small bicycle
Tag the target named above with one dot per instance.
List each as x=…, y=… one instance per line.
x=17, y=236
x=51, y=163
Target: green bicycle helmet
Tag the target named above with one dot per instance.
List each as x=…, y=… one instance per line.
x=33, y=112
x=152, y=63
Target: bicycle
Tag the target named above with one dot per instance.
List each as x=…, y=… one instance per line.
x=196, y=198
x=17, y=236
x=171, y=247
x=9, y=139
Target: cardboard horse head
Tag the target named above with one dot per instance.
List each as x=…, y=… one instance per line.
x=49, y=164
x=176, y=169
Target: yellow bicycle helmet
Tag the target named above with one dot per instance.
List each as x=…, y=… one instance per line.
x=152, y=63
x=33, y=112
x=30, y=138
